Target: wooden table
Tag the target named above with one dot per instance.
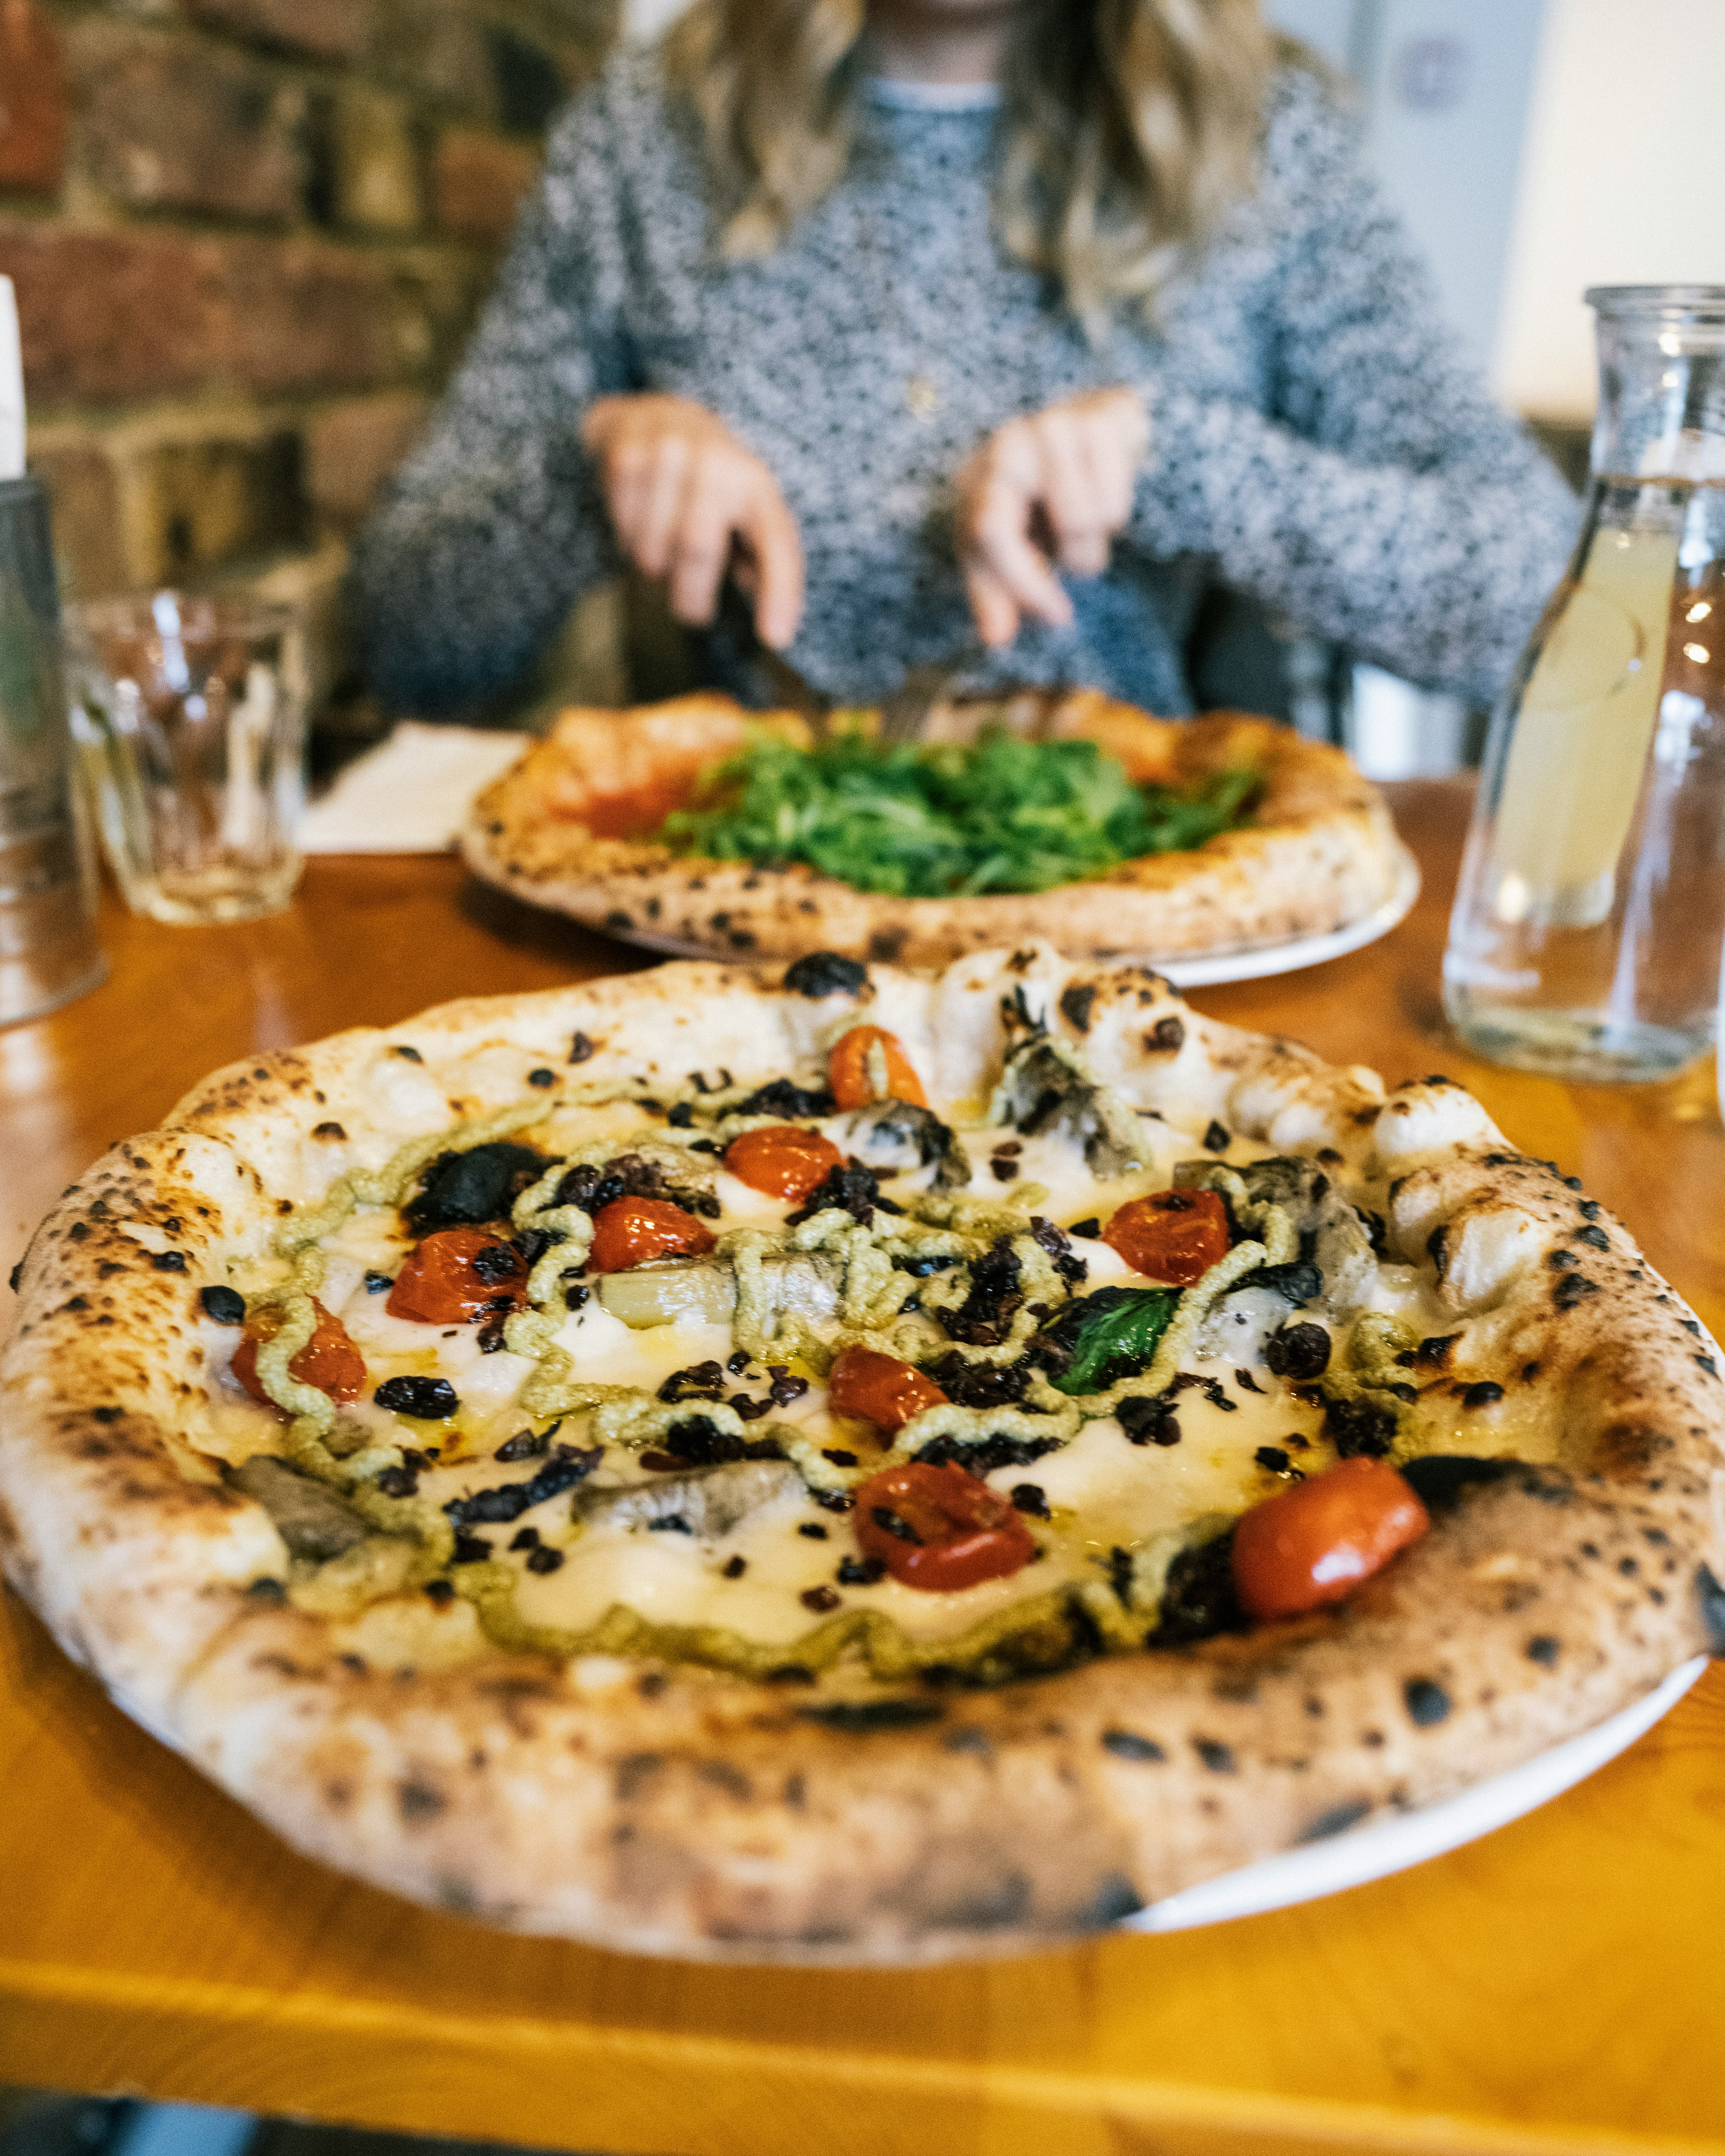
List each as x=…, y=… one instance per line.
x=1559, y=1986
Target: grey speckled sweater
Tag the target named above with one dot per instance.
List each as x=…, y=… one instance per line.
x=1318, y=440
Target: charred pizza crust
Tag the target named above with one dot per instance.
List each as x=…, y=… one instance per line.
x=666, y=1810
x=556, y=830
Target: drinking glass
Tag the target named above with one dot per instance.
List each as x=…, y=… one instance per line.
x=48, y=948
x=189, y=715
x=1589, y=920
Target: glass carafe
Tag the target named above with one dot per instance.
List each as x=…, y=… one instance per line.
x=1590, y=921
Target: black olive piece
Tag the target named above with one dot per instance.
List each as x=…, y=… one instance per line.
x=542, y=1078
x=469, y=1549
x=398, y=1482
x=440, y=1592
x=852, y=1188
x=427, y=1399
x=1482, y=1395
x=1199, y=1600
x=1218, y=1138
x=226, y=1306
x=735, y=1567
x=1071, y=1268
x=544, y=1559
x=581, y=1048
x=781, y=1097
x=700, y=1381
x=1150, y=1421
x=526, y=1444
x=496, y=1263
x=813, y=1529
x=983, y=1318
x=820, y=974
x=980, y=1384
x=890, y=1523
x=861, y=1572
x=169, y=1261
x=1299, y=1351
x=1360, y=1427
x=682, y=1116
x=1029, y=1497
x=461, y=1189
x=819, y=1600
x=379, y=1283
x=525, y=1538
x=838, y=1457
x=697, y=1441
x=1090, y=1230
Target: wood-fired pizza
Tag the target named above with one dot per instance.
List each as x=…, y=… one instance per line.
x=848, y=1464
x=578, y=825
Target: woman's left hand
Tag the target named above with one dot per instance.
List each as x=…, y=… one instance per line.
x=1053, y=487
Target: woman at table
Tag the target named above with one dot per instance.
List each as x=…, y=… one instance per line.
x=925, y=319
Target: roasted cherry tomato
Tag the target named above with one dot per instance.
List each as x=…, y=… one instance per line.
x=783, y=1160
x=455, y=1275
x=329, y=1360
x=1172, y=1236
x=879, y=1388
x=1314, y=1543
x=939, y=1528
x=634, y=1231
x=848, y=1070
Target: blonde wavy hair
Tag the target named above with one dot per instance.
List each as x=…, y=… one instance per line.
x=1132, y=126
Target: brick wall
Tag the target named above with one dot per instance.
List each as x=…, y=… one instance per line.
x=249, y=237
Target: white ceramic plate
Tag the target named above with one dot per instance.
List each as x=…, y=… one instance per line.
x=1258, y=961
x=1394, y=1845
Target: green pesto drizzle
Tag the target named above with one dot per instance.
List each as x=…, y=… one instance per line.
x=1042, y=1632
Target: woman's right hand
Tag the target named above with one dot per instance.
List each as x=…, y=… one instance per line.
x=690, y=502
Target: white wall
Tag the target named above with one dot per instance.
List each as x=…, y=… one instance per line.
x=1623, y=182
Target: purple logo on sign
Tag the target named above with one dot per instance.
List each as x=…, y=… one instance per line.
x=1431, y=73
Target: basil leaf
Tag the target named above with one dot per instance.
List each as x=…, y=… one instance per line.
x=1108, y=1336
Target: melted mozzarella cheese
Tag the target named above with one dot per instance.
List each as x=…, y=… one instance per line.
x=1238, y=1441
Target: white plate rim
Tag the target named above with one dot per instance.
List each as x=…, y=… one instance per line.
x=1257, y=962
x=1389, y=1846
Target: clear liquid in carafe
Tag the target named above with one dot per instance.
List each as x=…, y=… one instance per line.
x=1589, y=924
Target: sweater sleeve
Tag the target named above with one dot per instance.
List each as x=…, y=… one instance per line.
x=496, y=524
x=1381, y=499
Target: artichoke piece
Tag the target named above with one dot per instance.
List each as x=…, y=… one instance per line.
x=1333, y=1238
x=310, y=1519
x=899, y=1134
x=700, y=1294
x=1047, y=1087
x=707, y=1500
